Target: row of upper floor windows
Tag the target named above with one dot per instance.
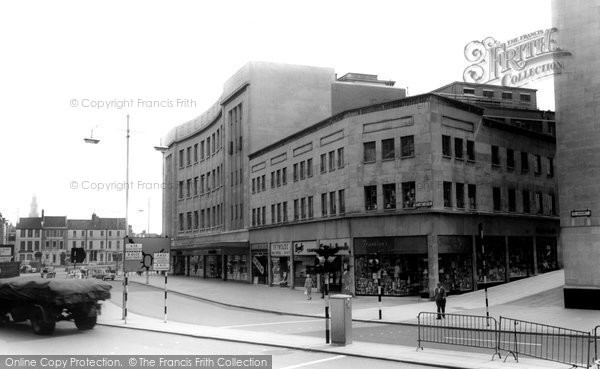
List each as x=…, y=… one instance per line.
x=388, y=149
x=62, y=233
x=301, y=170
x=209, y=217
x=332, y=203
x=202, y=150
x=505, y=95
x=201, y=184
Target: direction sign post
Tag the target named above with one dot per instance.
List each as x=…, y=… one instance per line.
x=160, y=261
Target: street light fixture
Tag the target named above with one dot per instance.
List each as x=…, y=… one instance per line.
x=91, y=139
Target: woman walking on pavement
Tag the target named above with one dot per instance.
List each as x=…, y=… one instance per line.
x=308, y=285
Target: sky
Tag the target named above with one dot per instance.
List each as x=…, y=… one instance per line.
x=70, y=67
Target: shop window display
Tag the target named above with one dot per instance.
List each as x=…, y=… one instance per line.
x=237, y=267
x=495, y=259
x=197, y=266
x=520, y=256
x=456, y=272
x=280, y=271
x=401, y=275
x=213, y=266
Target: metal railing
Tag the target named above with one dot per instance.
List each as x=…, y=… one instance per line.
x=596, y=358
x=457, y=329
x=546, y=342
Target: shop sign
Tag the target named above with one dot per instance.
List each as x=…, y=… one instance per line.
x=5, y=251
x=344, y=245
x=258, y=265
x=259, y=247
x=375, y=244
x=281, y=248
x=305, y=248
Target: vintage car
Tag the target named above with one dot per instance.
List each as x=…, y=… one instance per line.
x=44, y=302
x=105, y=275
x=47, y=273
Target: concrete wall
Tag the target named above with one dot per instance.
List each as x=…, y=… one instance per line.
x=346, y=96
x=284, y=99
x=577, y=94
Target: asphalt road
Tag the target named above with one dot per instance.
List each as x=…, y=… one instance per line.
x=18, y=339
x=149, y=301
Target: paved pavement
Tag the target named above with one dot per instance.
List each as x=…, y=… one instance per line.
x=537, y=299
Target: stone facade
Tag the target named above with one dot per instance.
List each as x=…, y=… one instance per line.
x=577, y=94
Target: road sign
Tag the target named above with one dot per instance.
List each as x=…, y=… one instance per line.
x=150, y=246
x=133, y=251
x=160, y=261
x=581, y=213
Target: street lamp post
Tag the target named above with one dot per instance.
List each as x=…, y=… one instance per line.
x=92, y=140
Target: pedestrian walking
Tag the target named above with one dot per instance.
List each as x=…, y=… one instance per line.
x=308, y=285
x=440, y=301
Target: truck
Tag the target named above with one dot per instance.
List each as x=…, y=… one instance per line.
x=44, y=302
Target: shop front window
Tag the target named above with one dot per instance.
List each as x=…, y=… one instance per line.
x=520, y=257
x=280, y=271
x=400, y=275
x=495, y=260
x=456, y=272
x=237, y=269
x=197, y=266
x=213, y=266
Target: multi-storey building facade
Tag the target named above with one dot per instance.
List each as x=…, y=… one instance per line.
x=49, y=239
x=577, y=94
x=28, y=239
x=101, y=238
x=54, y=237
x=401, y=188
x=4, y=230
x=205, y=206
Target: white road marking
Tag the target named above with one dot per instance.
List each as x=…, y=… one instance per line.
x=314, y=362
x=476, y=339
x=272, y=323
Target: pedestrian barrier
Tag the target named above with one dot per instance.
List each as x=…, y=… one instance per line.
x=457, y=329
x=546, y=342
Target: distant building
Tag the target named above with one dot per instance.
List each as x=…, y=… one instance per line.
x=49, y=239
x=4, y=230
x=102, y=238
x=28, y=243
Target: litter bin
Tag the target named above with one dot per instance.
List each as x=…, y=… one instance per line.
x=341, y=320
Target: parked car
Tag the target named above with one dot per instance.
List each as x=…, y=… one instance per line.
x=25, y=268
x=47, y=273
x=75, y=274
x=105, y=275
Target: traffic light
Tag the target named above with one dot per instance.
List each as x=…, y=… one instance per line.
x=325, y=256
x=77, y=255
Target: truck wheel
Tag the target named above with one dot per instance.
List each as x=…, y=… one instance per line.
x=38, y=324
x=85, y=323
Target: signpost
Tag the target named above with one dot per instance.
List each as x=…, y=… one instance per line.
x=160, y=262
x=139, y=256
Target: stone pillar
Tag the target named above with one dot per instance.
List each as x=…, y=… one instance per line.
x=432, y=262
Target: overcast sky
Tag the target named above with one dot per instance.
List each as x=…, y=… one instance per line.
x=63, y=53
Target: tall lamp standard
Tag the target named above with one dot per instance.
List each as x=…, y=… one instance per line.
x=92, y=140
